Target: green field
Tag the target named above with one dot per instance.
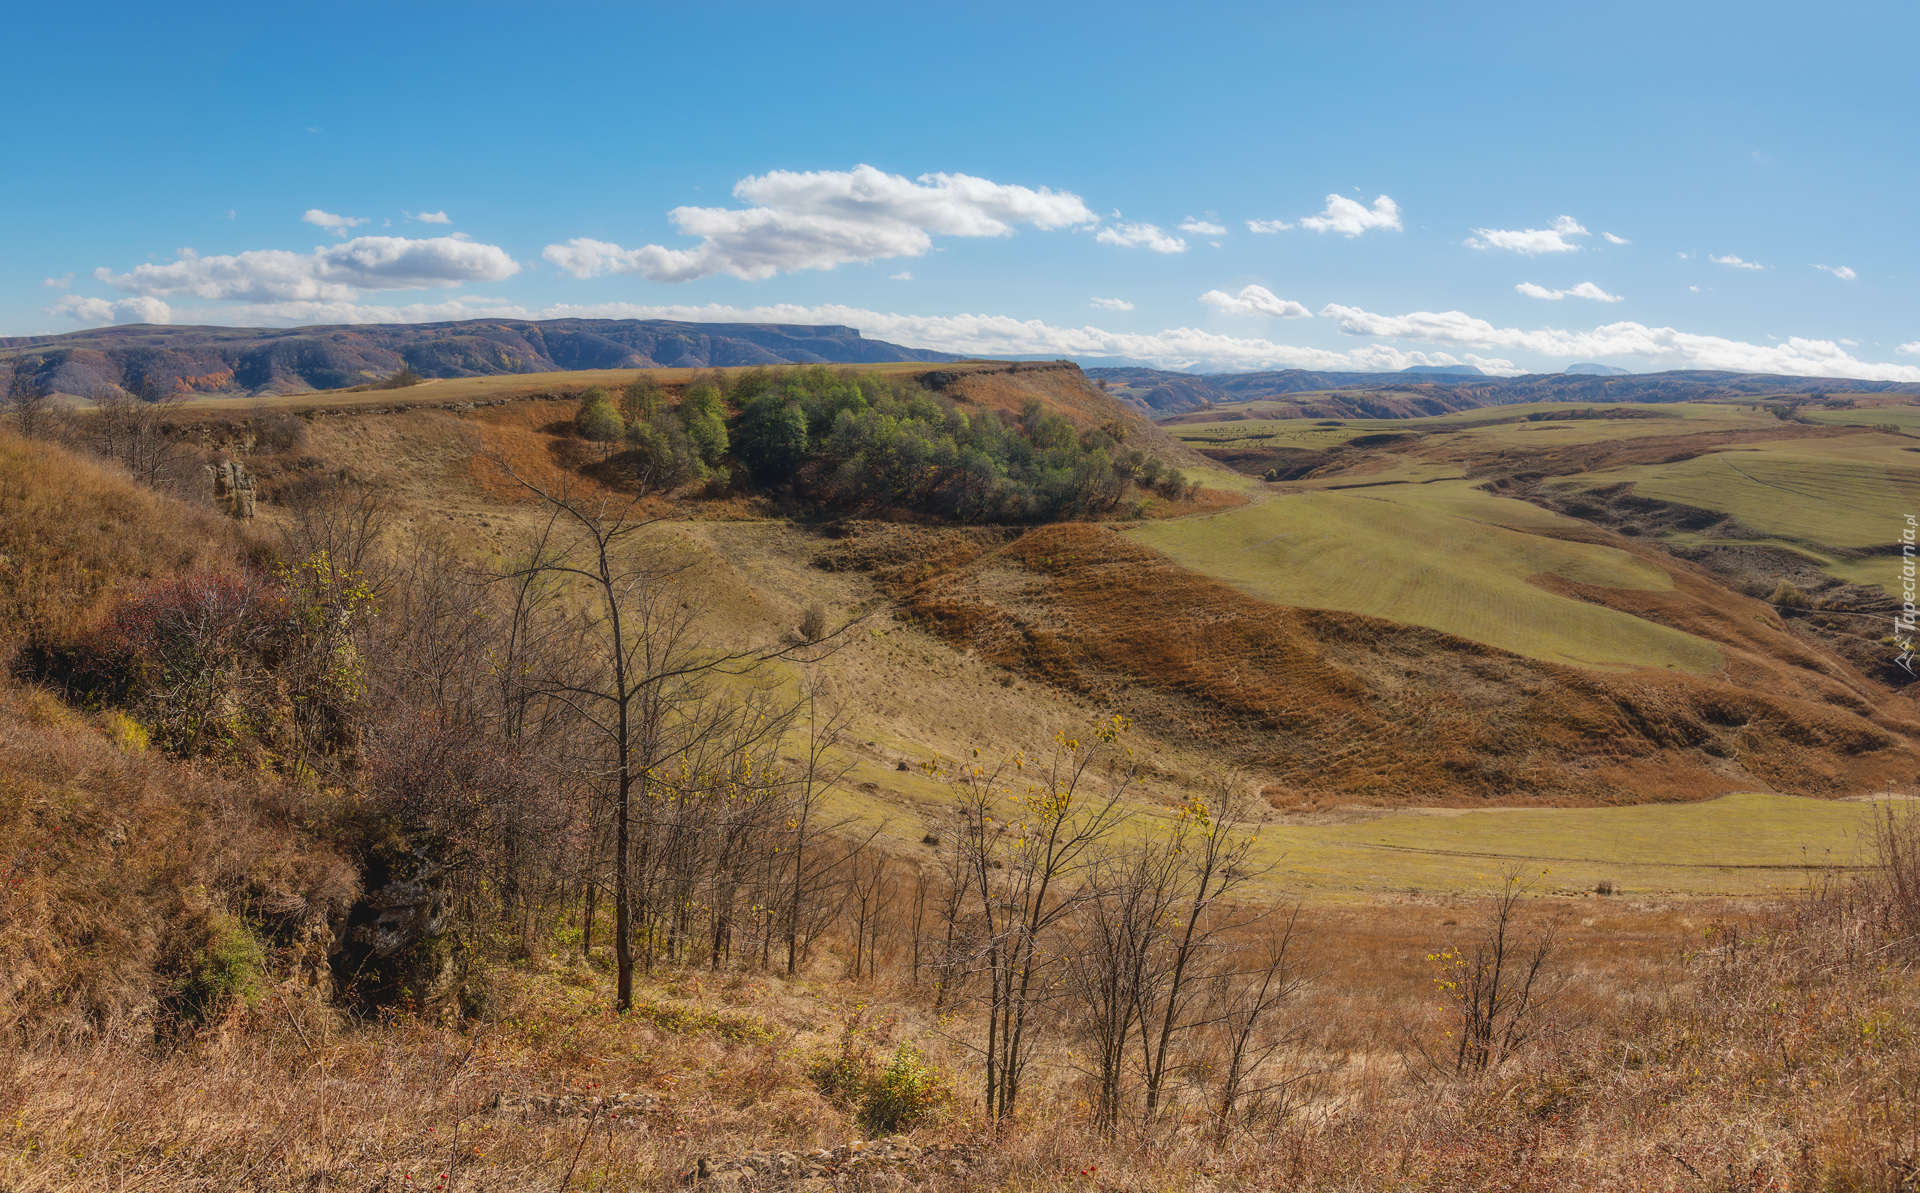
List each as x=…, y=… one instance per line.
x=1434, y=556
x=1737, y=844
x=1495, y=426
x=1805, y=495
x=1741, y=844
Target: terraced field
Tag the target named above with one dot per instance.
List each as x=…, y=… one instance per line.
x=1418, y=554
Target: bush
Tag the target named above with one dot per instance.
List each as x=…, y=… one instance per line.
x=597, y=420
x=1791, y=597
x=401, y=379
x=813, y=623
x=220, y=964
x=904, y=1094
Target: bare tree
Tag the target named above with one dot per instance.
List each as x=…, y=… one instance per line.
x=647, y=700
x=28, y=399
x=339, y=519
x=1251, y=998
x=1026, y=839
x=1498, y=983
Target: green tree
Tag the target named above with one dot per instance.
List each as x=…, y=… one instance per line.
x=598, y=420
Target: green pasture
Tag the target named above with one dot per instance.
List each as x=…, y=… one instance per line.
x=1907, y=418
x=1850, y=492
x=1432, y=556
x=1504, y=426
x=1737, y=844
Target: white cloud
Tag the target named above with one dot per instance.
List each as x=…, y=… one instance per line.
x=1141, y=236
x=1583, y=290
x=231, y=214
x=1610, y=238
x=1345, y=215
x=428, y=217
x=1531, y=241
x=332, y=273
x=1736, y=262
x=60, y=283
x=821, y=219
x=1268, y=225
x=336, y=224
x=1662, y=345
x=905, y=275
x=95, y=312
x=1844, y=273
x=1202, y=227
x=1255, y=300
x=1912, y=349
x=1111, y=304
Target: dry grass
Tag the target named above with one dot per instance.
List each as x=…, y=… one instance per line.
x=72, y=527
x=1706, y=1040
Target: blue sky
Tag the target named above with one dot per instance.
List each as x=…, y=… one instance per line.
x=1517, y=186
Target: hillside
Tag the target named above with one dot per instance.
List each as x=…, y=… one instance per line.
x=306, y=852
x=1430, y=392
x=155, y=362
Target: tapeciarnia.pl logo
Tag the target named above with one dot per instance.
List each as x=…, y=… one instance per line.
x=1904, y=624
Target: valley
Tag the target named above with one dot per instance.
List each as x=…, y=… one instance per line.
x=1617, y=668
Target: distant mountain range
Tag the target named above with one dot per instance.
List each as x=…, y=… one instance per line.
x=154, y=361
x=1400, y=394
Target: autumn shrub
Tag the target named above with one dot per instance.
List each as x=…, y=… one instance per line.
x=904, y=1094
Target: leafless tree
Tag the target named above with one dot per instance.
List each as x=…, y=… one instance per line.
x=1498, y=983
x=1026, y=839
x=28, y=399
x=647, y=698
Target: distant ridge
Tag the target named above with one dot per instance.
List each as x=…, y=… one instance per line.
x=154, y=361
x=1160, y=392
x=1597, y=370
x=1450, y=370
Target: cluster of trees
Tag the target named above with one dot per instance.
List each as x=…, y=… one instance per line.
x=844, y=440
x=661, y=445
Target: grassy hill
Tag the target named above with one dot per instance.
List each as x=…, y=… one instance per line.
x=347, y=925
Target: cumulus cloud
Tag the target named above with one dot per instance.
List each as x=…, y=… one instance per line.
x=1610, y=238
x=1844, y=273
x=1736, y=262
x=336, y=224
x=1255, y=300
x=1268, y=225
x=95, y=312
x=1663, y=345
x=428, y=217
x=1912, y=349
x=1583, y=290
x=330, y=273
x=820, y=219
x=1531, y=241
x=60, y=283
x=1111, y=304
x=1345, y=215
x=1141, y=236
x=1202, y=227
